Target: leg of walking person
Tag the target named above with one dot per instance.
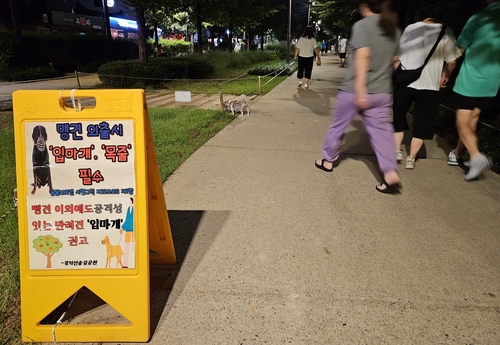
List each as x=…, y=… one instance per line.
x=466, y=126
x=380, y=129
x=424, y=122
x=343, y=115
x=455, y=153
x=300, y=70
x=467, y=117
x=403, y=99
x=308, y=70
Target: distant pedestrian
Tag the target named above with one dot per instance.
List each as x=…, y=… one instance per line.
x=160, y=50
x=477, y=83
x=367, y=90
x=343, y=50
x=305, y=51
x=416, y=43
x=323, y=47
x=237, y=45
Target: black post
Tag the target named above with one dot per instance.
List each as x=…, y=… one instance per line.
x=289, y=33
x=107, y=29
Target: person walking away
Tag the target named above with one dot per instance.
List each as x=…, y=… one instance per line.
x=237, y=46
x=305, y=50
x=367, y=90
x=323, y=47
x=343, y=50
x=477, y=83
x=415, y=45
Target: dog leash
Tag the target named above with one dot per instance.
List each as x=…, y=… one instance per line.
x=59, y=321
x=13, y=208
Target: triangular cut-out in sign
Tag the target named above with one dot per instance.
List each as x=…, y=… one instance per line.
x=85, y=308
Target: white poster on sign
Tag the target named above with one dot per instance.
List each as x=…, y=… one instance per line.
x=82, y=189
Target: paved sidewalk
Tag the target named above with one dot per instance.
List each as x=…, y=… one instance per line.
x=272, y=250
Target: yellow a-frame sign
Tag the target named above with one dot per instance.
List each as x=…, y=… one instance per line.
x=91, y=207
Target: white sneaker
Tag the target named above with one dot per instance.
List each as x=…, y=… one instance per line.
x=452, y=159
x=300, y=82
x=399, y=156
x=306, y=86
x=410, y=163
x=477, y=165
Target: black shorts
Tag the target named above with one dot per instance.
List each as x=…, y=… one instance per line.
x=424, y=114
x=469, y=103
x=342, y=55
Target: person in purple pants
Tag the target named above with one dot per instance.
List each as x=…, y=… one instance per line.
x=367, y=88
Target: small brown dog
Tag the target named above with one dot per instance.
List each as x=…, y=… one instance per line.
x=237, y=106
x=112, y=251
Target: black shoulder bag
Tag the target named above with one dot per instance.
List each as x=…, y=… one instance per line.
x=403, y=77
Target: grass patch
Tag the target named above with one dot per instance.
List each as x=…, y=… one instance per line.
x=9, y=246
x=248, y=85
x=177, y=134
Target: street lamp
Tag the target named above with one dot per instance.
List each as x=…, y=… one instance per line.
x=288, y=32
x=309, y=4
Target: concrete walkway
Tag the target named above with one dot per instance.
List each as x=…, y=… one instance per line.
x=272, y=250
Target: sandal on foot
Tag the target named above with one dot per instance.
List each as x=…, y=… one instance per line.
x=389, y=188
x=322, y=166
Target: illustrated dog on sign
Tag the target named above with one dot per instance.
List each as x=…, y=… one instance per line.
x=40, y=159
x=112, y=251
x=237, y=106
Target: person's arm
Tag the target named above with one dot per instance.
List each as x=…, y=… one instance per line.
x=361, y=65
x=446, y=73
x=316, y=50
x=395, y=62
x=297, y=50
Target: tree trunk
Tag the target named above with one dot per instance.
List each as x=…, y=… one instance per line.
x=141, y=34
x=16, y=24
x=49, y=261
x=199, y=47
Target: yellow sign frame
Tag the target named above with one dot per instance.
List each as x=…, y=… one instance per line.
x=127, y=291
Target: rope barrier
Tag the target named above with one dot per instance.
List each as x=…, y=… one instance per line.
x=159, y=79
x=230, y=80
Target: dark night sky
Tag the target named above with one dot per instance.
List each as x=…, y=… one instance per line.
x=69, y=5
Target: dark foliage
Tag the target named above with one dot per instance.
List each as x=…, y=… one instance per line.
x=37, y=50
x=127, y=74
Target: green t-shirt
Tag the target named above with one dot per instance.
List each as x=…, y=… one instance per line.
x=479, y=74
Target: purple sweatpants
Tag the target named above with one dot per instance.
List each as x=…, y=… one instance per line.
x=377, y=122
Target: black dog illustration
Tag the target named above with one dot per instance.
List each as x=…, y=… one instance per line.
x=40, y=158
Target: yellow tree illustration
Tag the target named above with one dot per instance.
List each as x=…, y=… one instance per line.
x=47, y=245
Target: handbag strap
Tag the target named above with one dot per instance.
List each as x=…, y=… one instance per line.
x=441, y=34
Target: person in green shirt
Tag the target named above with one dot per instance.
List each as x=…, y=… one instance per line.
x=477, y=83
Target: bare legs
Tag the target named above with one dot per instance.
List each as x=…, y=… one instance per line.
x=466, y=127
x=415, y=145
